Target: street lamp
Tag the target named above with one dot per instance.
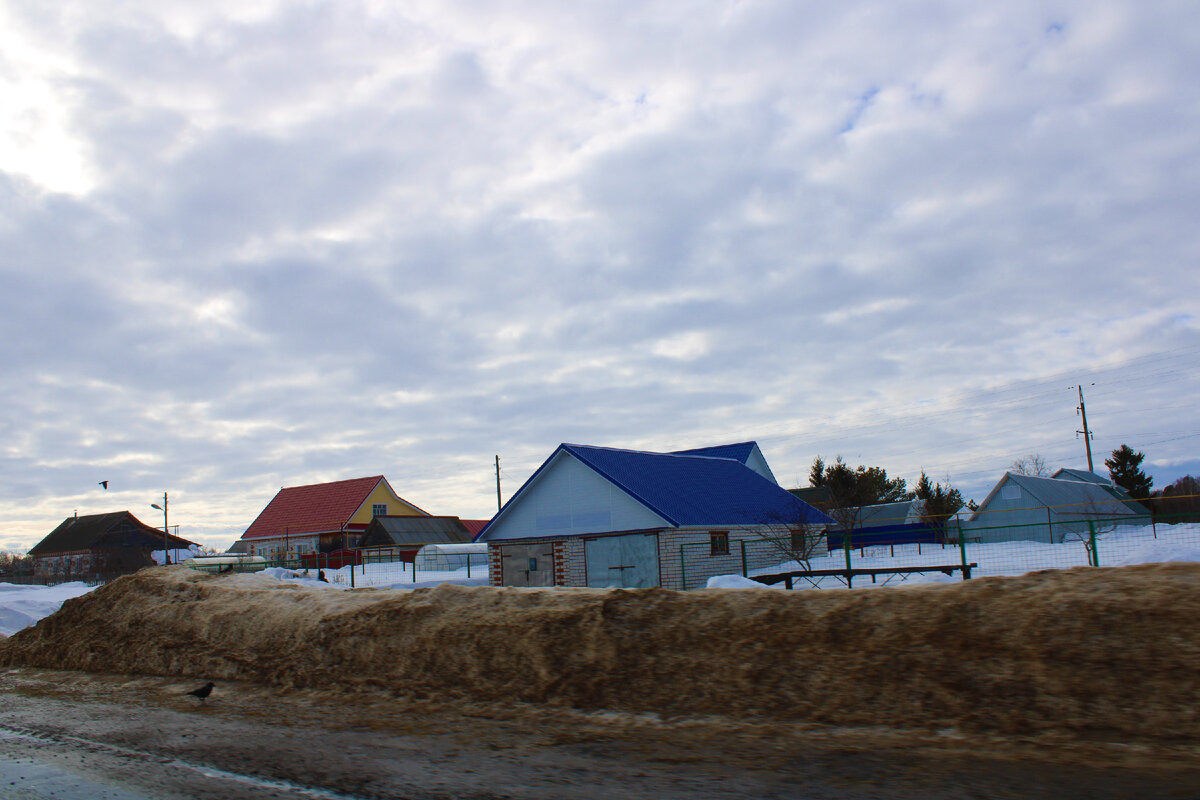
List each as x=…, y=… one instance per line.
x=163, y=508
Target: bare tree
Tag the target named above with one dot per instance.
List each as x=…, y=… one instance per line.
x=1100, y=520
x=796, y=541
x=1032, y=465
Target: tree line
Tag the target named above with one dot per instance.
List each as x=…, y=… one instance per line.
x=849, y=489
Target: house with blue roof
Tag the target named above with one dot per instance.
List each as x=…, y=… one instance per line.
x=607, y=517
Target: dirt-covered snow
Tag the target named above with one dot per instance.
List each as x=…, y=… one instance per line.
x=1108, y=654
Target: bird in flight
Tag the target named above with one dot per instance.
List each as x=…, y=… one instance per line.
x=105, y=485
x=204, y=691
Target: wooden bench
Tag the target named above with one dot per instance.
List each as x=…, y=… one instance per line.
x=848, y=575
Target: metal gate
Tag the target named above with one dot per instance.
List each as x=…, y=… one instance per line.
x=527, y=564
x=629, y=561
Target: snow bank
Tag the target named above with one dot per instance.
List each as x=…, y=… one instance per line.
x=1110, y=652
x=22, y=606
x=734, y=582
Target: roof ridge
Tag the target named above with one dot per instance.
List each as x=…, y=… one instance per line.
x=330, y=483
x=670, y=454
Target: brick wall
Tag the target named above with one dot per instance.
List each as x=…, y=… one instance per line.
x=495, y=565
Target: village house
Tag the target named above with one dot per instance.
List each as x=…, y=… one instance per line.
x=398, y=538
x=100, y=546
x=321, y=517
x=605, y=517
x=1024, y=507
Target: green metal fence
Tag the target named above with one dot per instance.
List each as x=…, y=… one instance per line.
x=1100, y=541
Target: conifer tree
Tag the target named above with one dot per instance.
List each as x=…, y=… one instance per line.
x=1125, y=469
x=938, y=503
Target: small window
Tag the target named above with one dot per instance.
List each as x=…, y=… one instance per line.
x=379, y=510
x=718, y=543
x=800, y=541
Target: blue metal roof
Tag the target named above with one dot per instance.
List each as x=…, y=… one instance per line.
x=686, y=489
x=738, y=452
x=698, y=490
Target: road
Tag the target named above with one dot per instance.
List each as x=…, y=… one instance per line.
x=74, y=736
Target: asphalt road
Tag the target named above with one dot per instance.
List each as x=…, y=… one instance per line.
x=73, y=736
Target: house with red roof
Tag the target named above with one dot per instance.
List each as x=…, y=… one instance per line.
x=322, y=517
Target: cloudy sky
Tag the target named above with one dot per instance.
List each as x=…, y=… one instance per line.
x=246, y=244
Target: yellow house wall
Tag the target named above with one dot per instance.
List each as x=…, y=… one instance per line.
x=396, y=506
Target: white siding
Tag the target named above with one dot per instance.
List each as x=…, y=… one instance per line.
x=570, y=499
x=758, y=463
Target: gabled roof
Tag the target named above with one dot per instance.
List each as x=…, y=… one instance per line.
x=1100, y=480
x=882, y=515
x=818, y=497
x=745, y=452
x=1083, y=475
x=102, y=531
x=415, y=531
x=474, y=526
x=316, y=508
x=1065, y=497
x=740, y=451
x=685, y=490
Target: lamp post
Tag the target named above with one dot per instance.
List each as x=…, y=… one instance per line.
x=163, y=508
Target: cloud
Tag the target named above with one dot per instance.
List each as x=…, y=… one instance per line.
x=260, y=244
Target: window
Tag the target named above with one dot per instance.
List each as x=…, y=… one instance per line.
x=379, y=510
x=718, y=543
x=800, y=541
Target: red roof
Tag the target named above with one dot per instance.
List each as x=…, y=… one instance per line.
x=474, y=526
x=316, y=508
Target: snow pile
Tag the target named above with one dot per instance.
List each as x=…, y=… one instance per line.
x=1157, y=552
x=22, y=606
x=735, y=582
x=1107, y=653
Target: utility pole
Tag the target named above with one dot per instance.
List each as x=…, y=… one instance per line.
x=1087, y=436
x=166, y=548
x=498, y=503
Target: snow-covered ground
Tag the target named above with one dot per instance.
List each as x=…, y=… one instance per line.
x=1116, y=548
x=22, y=606
x=395, y=575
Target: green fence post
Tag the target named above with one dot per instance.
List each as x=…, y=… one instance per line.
x=846, y=547
x=745, y=571
x=962, y=545
x=1093, y=553
x=468, y=565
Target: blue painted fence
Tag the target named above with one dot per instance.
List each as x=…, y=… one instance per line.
x=891, y=534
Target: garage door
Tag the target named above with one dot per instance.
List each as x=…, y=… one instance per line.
x=624, y=561
x=527, y=564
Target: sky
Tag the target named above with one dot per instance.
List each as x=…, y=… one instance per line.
x=247, y=245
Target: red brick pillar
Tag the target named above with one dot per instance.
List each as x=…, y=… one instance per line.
x=560, y=563
x=495, y=566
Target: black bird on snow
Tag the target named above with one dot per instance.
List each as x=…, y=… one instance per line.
x=203, y=692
